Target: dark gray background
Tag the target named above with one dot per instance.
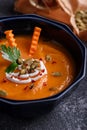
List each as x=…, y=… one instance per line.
x=69, y=114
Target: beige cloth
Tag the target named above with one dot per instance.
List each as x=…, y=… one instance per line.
x=64, y=12
x=23, y=6
x=70, y=7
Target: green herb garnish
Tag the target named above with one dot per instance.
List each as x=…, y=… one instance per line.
x=11, y=54
x=11, y=67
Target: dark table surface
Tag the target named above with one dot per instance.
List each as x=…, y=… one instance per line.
x=69, y=114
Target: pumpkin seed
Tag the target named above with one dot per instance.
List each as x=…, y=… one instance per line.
x=28, y=67
x=36, y=63
x=48, y=58
x=81, y=28
x=81, y=19
x=33, y=66
x=56, y=74
x=20, y=61
x=23, y=71
x=28, y=61
x=3, y=93
x=78, y=20
x=85, y=20
x=53, y=89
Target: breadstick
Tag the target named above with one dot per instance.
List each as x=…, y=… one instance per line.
x=10, y=38
x=34, y=41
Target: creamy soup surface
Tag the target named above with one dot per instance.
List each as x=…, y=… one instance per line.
x=60, y=70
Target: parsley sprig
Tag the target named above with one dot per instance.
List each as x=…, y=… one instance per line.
x=11, y=54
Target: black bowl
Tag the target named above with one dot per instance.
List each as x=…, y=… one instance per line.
x=50, y=29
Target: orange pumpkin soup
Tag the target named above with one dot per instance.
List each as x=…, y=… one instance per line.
x=52, y=65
